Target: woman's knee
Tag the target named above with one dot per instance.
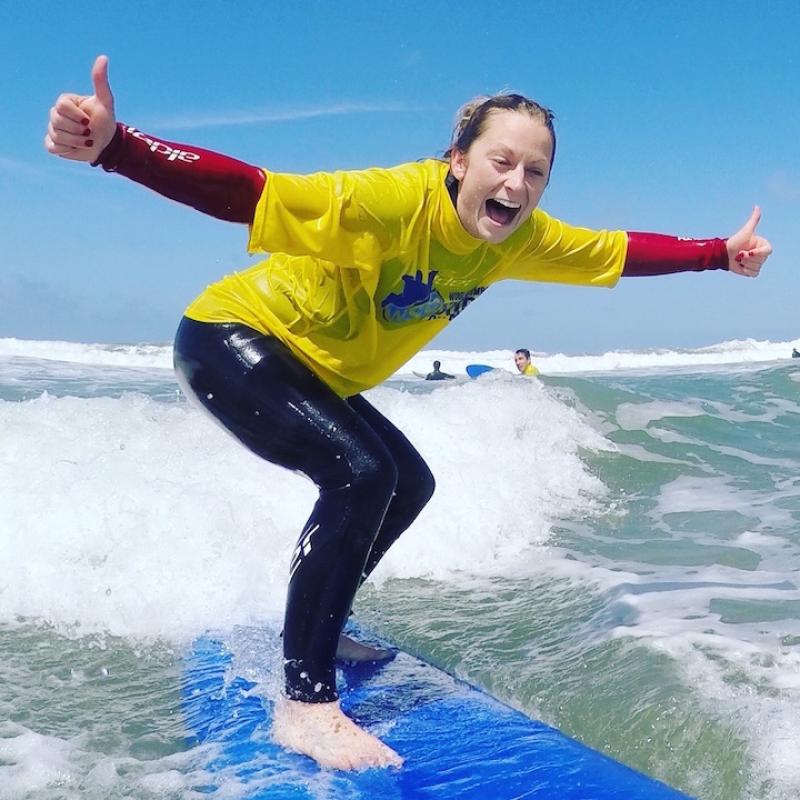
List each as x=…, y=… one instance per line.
x=426, y=487
x=415, y=487
x=374, y=480
x=361, y=503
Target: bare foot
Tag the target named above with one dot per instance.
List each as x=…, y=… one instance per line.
x=350, y=650
x=323, y=732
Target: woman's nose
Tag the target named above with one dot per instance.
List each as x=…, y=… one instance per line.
x=515, y=178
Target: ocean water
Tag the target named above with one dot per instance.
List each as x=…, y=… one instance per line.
x=614, y=549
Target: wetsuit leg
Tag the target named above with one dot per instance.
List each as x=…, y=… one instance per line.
x=415, y=481
x=281, y=411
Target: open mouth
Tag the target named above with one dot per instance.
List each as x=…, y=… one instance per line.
x=500, y=211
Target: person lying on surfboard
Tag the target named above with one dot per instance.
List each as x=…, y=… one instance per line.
x=365, y=268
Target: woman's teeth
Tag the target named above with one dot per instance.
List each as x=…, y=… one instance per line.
x=502, y=211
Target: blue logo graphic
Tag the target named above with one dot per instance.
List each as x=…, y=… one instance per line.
x=420, y=301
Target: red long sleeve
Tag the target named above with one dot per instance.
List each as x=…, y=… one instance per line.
x=210, y=182
x=656, y=254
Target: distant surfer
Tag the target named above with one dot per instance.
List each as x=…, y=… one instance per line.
x=365, y=268
x=522, y=358
x=437, y=374
x=795, y=353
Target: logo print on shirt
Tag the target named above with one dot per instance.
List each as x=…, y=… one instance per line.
x=420, y=301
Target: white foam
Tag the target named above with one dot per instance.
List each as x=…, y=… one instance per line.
x=734, y=352
x=40, y=765
x=756, y=539
x=691, y=493
x=528, y=443
x=637, y=416
x=31, y=762
x=741, y=670
x=738, y=671
x=642, y=454
x=112, y=510
x=120, y=355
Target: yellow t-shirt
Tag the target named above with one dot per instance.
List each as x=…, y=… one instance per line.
x=530, y=370
x=368, y=266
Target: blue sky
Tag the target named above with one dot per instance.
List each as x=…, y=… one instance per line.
x=673, y=117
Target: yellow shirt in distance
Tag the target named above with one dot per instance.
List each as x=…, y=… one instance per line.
x=530, y=370
x=367, y=266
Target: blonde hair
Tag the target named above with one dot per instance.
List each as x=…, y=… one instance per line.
x=473, y=116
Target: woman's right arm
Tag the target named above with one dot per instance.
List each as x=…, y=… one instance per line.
x=84, y=128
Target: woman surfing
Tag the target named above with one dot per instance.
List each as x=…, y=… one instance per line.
x=365, y=268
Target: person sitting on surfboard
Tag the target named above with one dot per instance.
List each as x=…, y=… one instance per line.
x=437, y=374
x=365, y=268
x=522, y=358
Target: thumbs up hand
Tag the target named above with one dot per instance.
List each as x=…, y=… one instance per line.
x=747, y=252
x=82, y=125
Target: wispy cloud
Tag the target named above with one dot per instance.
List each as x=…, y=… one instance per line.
x=50, y=167
x=228, y=118
x=783, y=186
x=17, y=167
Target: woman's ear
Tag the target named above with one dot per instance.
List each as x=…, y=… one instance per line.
x=458, y=164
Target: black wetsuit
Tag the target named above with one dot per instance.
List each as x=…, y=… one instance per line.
x=438, y=375
x=372, y=482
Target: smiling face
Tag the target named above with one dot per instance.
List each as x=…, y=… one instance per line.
x=502, y=175
x=521, y=360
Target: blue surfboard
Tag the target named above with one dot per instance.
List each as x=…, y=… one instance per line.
x=476, y=370
x=458, y=743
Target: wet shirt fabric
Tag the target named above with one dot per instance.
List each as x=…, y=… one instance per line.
x=530, y=371
x=365, y=267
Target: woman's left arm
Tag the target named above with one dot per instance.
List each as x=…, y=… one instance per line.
x=654, y=254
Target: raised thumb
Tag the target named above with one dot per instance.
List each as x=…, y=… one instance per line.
x=102, y=88
x=755, y=218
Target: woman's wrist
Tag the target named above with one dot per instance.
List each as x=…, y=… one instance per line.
x=110, y=153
